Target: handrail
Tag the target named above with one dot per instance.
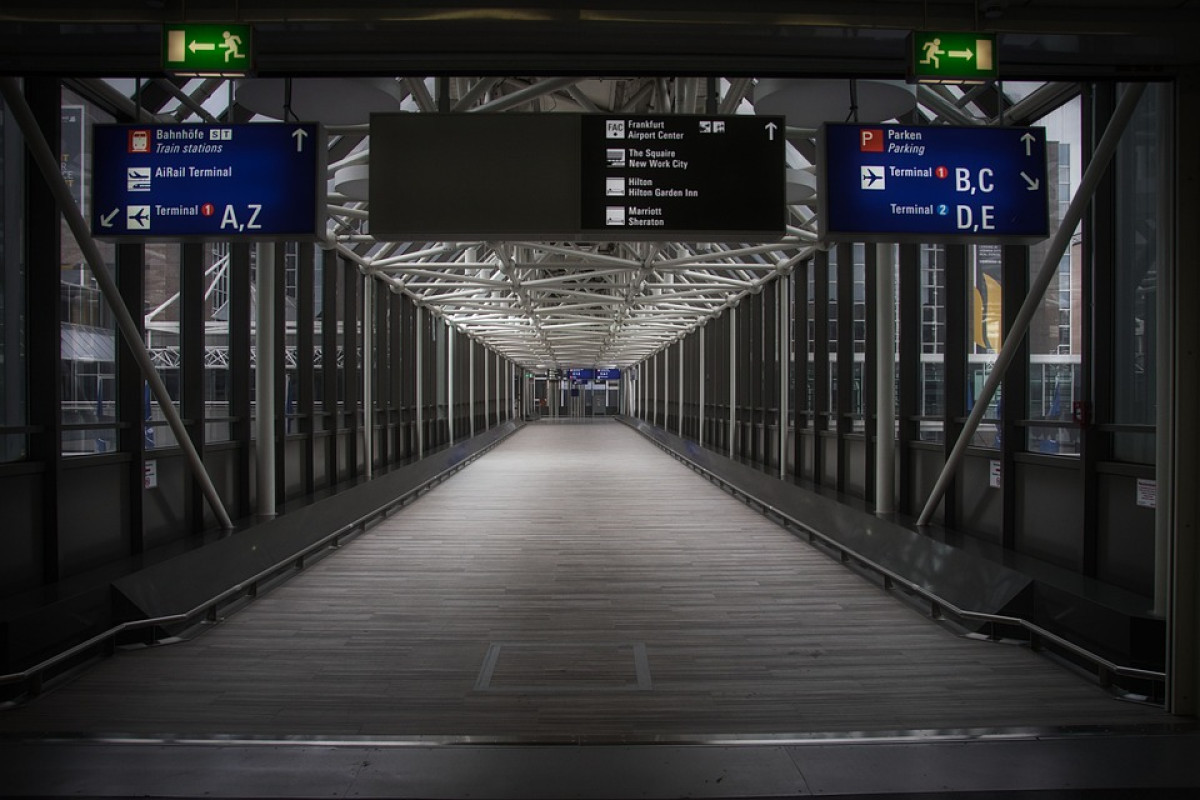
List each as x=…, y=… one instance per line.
x=935, y=600
x=34, y=674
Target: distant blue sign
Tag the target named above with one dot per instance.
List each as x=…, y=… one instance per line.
x=581, y=374
x=208, y=181
x=608, y=374
x=896, y=183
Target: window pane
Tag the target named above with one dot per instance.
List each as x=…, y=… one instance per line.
x=13, y=382
x=216, y=342
x=89, y=341
x=1055, y=336
x=986, y=339
x=933, y=341
x=162, y=334
x=1139, y=252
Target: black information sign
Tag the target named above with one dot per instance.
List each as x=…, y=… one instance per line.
x=569, y=176
x=708, y=177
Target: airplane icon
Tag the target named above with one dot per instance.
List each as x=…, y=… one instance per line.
x=872, y=178
x=137, y=218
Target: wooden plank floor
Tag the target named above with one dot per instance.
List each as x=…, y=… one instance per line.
x=607, y=590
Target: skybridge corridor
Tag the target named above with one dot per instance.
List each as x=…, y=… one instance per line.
x=599, y=400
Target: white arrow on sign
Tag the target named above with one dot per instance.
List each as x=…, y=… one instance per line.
x=299, y=135
x=1031, y=183
x=1028, y=139
x=771, y=128
x=106, y=221
x=194, y=46
x=961, y=54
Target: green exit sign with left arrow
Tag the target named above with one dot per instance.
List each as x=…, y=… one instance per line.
x=222, y=50
x=949, y=57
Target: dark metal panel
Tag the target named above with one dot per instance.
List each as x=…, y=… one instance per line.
x=957, y=337
x=21, y=545
x=769, y=372
x=820, y=362
x=291, y=480
x=1050, y=513
x=331, y=266
x=42, y=232
x=278, y=403
x=1015, y=387
x=803, y=414
x=908, y=374
x=381, y=380
x=870, y=359
x=240, y=380
x=165, y=510
x=855, y=452
x=843, y=422
x=397, y=358
x=304, y=363
x=131, y=400
x=982, y=509
x=191, y=371
x=96, y=527
x=1126, y=536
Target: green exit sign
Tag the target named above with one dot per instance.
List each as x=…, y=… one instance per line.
x=942, y=57
x=207, y=50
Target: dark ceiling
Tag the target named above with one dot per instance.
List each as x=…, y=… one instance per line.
x=1038, y=39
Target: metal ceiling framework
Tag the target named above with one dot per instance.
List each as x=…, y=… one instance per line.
x=559, y=304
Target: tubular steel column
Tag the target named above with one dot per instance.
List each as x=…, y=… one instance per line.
x=264, y=379
x=471, y=386
x=451, y=335
x=1037, y=290
x=368, y=373
x=49, y=166
x=732, y=380
x=681, y=387
x=885, y=381
x=700, y=379
x=783, y=366
x=419, y=349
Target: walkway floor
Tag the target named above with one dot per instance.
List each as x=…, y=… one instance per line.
x=576, y=582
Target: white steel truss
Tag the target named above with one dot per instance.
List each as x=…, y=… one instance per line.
x=560, y=304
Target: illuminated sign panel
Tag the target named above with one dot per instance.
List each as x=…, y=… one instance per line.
x=261, y=181
x=946, y=57
x=222, y=50
x=569, y=176
x=895, y=183
x=683, y=176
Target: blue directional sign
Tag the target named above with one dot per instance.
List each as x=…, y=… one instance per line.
x=897, y=183
x=260, y=181
x=611, y=374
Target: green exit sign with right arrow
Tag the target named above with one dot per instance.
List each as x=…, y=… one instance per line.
x=946, y=57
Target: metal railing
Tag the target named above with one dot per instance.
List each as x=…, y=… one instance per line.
x=207, y=611
x=1106, y=669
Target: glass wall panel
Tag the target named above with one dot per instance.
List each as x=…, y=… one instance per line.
x=831, y=335
x=1142, y=164
x=986, y=328
x=217, y=426
x=859, y=334
x=13, y=381
x=162, y=334
x=1055, y=335
x=89, y=340
x=933, y=342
